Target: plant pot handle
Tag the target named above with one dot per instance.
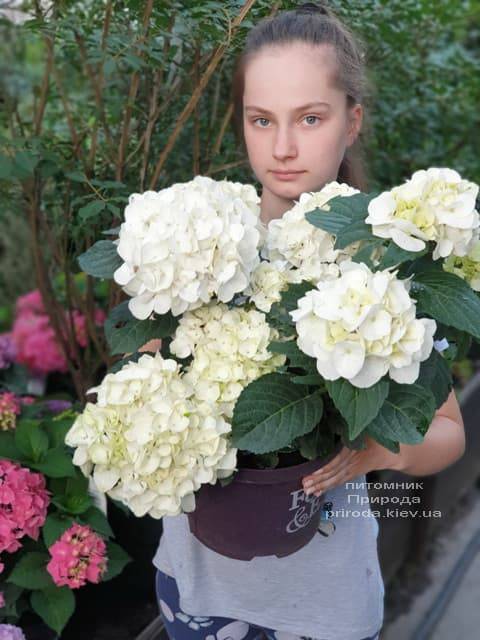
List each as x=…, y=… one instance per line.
x=326, y=528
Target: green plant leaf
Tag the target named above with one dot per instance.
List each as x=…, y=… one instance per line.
x=30, y=571
x=296, y=357
x=343, y=211
x=117, y=560
x=55, y=525
x=448, y=299
x=405, y=415
x=8, y=448
x=57, y=428
x=54, y=605
x=98, y=521
x=358, y=406
x=30, y=438
x=133, y=333
x=395, y=255
x=91, y=209
x=101, y=260
x=56, y=463
x=436, y=376
x=271, y=412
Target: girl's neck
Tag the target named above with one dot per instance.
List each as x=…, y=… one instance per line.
x=273, y=206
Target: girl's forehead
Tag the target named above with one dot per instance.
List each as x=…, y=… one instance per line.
x=296, y=62
x=298, y=73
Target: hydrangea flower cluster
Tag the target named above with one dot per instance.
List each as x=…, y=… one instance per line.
x=24, y=501
x=466, y=267
x=34, y=337
x=9, y=410
x=149, y=440
x=2, y=597
x=296, y=250
x=187, y=243
x=361, y=326
x=8, y=351
x=11, y=632
x=434, y=205
x=293, y=240
x=78, y=557
x=229, y=348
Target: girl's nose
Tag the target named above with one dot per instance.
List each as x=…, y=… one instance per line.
x=284, y=145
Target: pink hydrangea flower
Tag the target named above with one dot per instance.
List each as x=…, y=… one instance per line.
x=24, y=501
x=78, y=557
x=9, y=410
x=2, y=597
x=35, y=340
x=80, y=324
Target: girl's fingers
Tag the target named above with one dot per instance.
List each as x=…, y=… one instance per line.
x=344, y=457
x=342, y=476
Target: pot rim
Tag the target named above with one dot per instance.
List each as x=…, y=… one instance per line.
x=247, y=475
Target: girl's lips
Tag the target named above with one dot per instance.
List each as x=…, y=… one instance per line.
x=287, y=176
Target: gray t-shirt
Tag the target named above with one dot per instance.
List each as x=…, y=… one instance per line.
x=331, y=589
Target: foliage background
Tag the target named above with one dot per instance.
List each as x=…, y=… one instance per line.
x=99, y=100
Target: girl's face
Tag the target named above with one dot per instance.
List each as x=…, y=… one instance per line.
x=295, y=119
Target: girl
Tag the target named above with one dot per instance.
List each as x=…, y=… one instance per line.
x=298, y=92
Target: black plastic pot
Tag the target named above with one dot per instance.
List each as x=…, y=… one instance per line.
x=262, y=512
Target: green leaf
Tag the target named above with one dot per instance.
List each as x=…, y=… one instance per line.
x=57, y=429
x=74, y=504
x=271, y=412
x=5, y=167
x=54, y=605
x=98, y=521
x=11, y=594
x=117, y=560
x=356, y=230
x=406, y=414
x=76, y=176
x=8, y=448
x=316, y=444
x=24, y=164
x=56, y=463
x=448, y=299
x=364, y=253
x=279, y=316
x=435, y=375
x=101, y=260
x=296, y=357
x=358, y=406
x=31, y=439
x=134, y=333
x=343, y=211
x=91, y=209
x=395, y=255
x=55, y=525
x=30, y=571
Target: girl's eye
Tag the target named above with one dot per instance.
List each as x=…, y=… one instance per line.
x=257, y=119
x=315, y=117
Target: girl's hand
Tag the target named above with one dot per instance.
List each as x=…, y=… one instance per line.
x=349, y=464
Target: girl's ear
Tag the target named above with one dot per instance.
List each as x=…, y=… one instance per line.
x=355, y=116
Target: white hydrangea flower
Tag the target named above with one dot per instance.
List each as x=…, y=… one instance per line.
x=149, y=441
x=466, y=267
x=434, y=205
x=229, y=348
x=301, y=245
x=187, y=243
x=267, y=282
x=362, y=326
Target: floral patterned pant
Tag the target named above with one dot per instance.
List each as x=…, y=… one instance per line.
x=181, y=626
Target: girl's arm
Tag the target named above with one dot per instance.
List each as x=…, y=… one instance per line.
x=444, y=443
